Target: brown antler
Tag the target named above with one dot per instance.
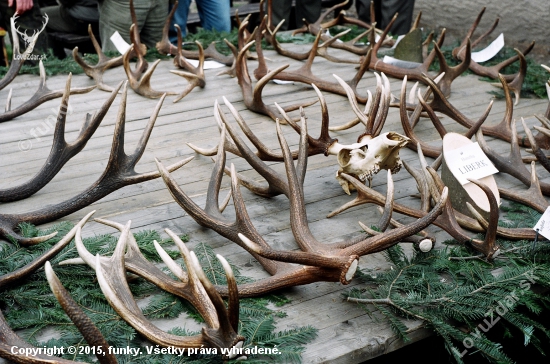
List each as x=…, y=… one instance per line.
x=304, y=73
x=9, y=339
x=219, y=333
x=61, y=151
x=194, y=75
x=419, y=73
x=253, y=96
x=408, y=122
x=317, y=261
x=493, y=71
x=103, y=63
x=41, y=95
x=118, y=173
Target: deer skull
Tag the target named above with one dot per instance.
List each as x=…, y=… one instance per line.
x=364, y=159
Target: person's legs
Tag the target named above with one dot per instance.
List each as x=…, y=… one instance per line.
x=114, y=16
x=280, y=10
x=310, y=10
x=180, y=18
x=61, y=21
x=151, y=27
x=215, y=14
x=403, y=22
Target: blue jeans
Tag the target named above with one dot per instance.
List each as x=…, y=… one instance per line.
x=214, y=15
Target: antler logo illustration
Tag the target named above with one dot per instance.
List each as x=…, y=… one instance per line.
x=30, y=40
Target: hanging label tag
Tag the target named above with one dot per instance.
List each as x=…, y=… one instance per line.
x=490, y=51
x=543, y=225
x=469, y=161
x=120, y=44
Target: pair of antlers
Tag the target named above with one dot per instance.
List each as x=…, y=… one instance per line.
x=193, y=286
x=118, y=173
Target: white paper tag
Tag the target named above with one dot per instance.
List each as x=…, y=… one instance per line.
x=490, y=51
x=469, y=161
x=120, y=44
x=400, y=63
x=207, y=64
x=282, y=82
x=543, y=225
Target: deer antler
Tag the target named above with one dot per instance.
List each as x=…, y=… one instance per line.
x=304, y=73
x=103, y=63
x=61, y=151
x=195, y=288
x=253, y=96
x=41, y=95
x=316, y=261
x=195, y=76
x=118, y=173
x=9, y=339
x=492, y=71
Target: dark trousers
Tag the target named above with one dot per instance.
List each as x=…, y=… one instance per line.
x=384, y=11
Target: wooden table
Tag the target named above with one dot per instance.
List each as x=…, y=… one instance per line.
x=346, y=333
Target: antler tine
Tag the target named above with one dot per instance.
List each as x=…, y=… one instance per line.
x=323, y=143
x=61, y=151
x=531, y=197
x=233, y=304
x=9, y=340
x=489, y=246
x=384, y=220
x=195, y=76
x=164, y=46
x=368, y=121
x=515, y=84
x=451, y=72
x=276, y=184
x=229, y=145
x=91, y=333
x=382, y=113
x=118, y=173
x=491, y=71
x=111, y=277
x=284, y=52
x=511, y=164
x=103, y=63
x=226, y=335
x=352, y=123
x=24, y=271
x=304, y=73
x=537, y=151
x=501, y=130
x=213, y=192
x=471, y=31
x=383, y=241
x=263, y=152
x=41, y=95
x=322, y=50
x=421, y=185
x=407, y=123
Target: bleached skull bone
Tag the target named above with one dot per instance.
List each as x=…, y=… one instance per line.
x=364, y=159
